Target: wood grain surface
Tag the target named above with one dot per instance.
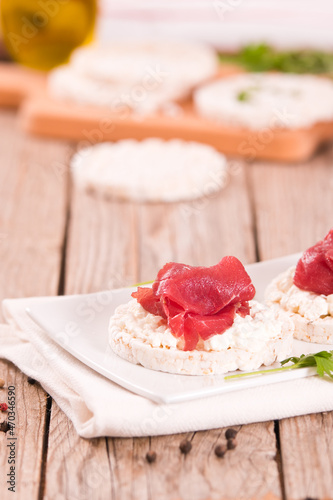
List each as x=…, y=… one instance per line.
x=55, y=238
x=32, y=218
x=43, y=116
x=18, y=82
x=293, y=209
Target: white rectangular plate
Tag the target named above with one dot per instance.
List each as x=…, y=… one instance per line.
x=79, y=323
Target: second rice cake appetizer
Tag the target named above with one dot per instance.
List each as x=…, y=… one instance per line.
x=305, y=293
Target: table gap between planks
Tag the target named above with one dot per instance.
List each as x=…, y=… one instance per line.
x=54, y=239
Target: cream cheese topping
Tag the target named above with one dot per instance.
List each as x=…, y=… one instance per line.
x=250, y=332
x=309, y=305
x=150, y=329
x=145, y=339
x=267, y=100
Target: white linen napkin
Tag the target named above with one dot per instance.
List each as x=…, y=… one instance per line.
x=99, y=407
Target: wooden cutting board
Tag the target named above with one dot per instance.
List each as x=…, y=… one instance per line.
x=43, y=116
x=18, y=82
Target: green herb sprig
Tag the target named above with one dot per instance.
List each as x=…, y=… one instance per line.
x=262, y=57
x=247, y=94
x=322, y=361
x=243, y=96
x=142, y=284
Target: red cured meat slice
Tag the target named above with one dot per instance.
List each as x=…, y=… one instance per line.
x=208, y=326
x=314, y=270
x=199, y=302
x=149, y=301
x=205, y=290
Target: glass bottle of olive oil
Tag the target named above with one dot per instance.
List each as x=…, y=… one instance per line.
x=42, y=33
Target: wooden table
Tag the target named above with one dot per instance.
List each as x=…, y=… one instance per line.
x=54, y=240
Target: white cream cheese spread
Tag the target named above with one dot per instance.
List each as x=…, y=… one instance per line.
x=267, y=100
x=311, y=313
x=256, y=339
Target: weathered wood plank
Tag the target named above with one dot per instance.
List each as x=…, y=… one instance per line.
x=102, y=245
x=294, y=206
x=101, y=254
x=200, y=232
x=76, y=468
x=248, y=471
x=32, y=222
x=307, y=456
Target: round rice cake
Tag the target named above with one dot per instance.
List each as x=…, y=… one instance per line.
x=145, y=339
x=267, y=100
x=135, y=62
x=312, y=314
x=67, y=84
x=144, y=77
x=151, y=170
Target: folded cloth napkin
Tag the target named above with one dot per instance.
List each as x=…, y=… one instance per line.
x=98, y=407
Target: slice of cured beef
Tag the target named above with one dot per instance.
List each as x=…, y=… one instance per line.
x=199, y=302
x=314, y=270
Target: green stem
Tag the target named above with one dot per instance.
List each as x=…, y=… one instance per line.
x=143, y=283
x=260, y=372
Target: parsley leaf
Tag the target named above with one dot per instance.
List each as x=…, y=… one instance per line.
x=322, y=361
x=247, y=94
x=243, y=96
x=262, y=57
